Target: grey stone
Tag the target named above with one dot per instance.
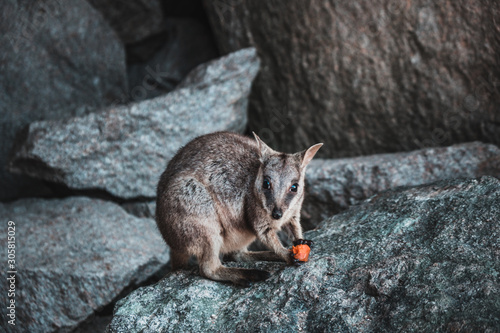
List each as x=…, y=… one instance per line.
x=368, y=77
x=140, y=209
x=132, y=20
x=57, y=60
x=124, y=149
x=96, y=324
x=422, y=259
x=74, y=256
x=187, y=43
x=332, y=185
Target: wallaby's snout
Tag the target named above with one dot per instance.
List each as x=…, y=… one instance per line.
x=277, y=213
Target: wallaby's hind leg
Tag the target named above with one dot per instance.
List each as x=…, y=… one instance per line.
x=179, y=260
x=263, y=256
x=212, y=268
x=251, y=256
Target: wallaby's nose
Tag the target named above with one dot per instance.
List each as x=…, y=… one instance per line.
x=277, y=213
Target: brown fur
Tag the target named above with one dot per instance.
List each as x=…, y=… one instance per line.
x=211, y=201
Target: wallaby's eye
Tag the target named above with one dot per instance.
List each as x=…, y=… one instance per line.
x=294, y=187
x=266, y=184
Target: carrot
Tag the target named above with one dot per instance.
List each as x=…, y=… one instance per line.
x=301, y=252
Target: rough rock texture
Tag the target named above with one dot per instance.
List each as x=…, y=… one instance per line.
x=124, y=149
x=423, y=259
x=132, y=20
x=97, y=324
x=57, y=59
x=368, y=77
x=187, y=43
x=74, y=256
x=332, y=185
x=140, y=209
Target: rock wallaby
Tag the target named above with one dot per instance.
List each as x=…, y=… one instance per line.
x=222, y=191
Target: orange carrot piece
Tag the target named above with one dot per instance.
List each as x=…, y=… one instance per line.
x=301, y=252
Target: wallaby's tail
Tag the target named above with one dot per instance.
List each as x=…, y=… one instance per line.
x=212, y=268
x=241, y=276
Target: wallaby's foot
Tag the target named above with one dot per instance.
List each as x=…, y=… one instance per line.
x=299, y=254
x=179, y=260
x=240, y=276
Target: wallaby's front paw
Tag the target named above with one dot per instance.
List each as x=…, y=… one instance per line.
x=300, y=251
x=294, y=261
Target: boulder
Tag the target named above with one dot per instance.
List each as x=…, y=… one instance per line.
x=57, y=60
x=73, y=256
x=421, y=259
x=368, y=77
x=124, y=149
x=132, y=20
x=96, y=324
x=332, y=185
x=140, y=208
x=186, y=43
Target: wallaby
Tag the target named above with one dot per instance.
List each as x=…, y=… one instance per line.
x=222, y=191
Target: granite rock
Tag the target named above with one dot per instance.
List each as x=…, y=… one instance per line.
x=421, y=259
x=132, y=20
x=124, y=149
x=368, y=77
x=140, y=208
x=58, y=59
x=186, y=43
x=73, y=257
x=332, y=185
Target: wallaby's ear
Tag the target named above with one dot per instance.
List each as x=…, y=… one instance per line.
x=307, y=155
x=263, y=148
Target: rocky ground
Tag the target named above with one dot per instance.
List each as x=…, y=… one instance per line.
x=418, y=259
x=76, y=255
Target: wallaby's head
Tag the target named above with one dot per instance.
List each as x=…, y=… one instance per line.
x=280, y=181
